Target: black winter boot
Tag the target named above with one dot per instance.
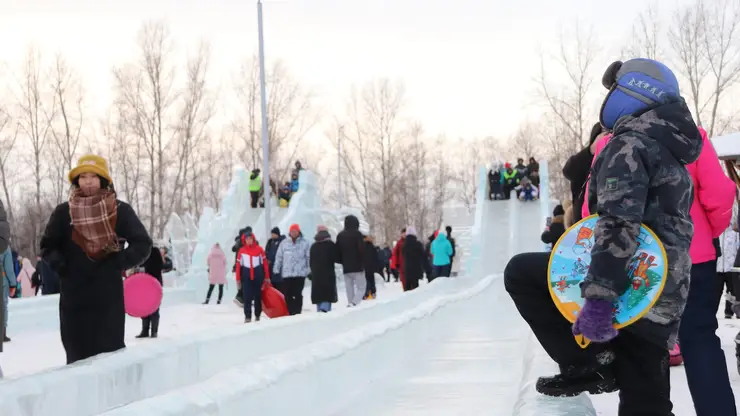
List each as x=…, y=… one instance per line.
x=155, y=326
x=145, y=323
x=573, y=381
x=208, y=299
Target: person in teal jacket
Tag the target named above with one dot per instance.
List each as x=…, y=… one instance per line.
x=10, y=285
x=441, y=251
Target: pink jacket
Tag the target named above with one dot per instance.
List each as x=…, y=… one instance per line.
x=216, y=266
x=714, y=194
x=711, y=211
x=599, y=147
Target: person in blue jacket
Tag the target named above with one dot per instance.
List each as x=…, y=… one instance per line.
x=441, y=251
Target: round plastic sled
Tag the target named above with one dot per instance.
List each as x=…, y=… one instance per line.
x=569, y=263
x=273, y=302
x=142, y=295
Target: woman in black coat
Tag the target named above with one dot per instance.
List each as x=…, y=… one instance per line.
x=84, y=244
x=153, y=266
x=414, y=259
x=322, y=257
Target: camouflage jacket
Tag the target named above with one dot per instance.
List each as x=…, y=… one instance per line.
x=641, y=177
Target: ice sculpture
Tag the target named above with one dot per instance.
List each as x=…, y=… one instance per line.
x=235, y=214
x=179, y=243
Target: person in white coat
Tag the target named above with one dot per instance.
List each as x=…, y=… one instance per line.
x=292, y=263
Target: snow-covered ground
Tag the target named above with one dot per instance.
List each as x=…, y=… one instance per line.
x=605, y=404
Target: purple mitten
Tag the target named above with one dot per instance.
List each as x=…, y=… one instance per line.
x=595, y=321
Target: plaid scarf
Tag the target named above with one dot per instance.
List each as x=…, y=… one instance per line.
x=94, y=222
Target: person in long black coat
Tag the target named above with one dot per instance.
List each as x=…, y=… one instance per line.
x=322, y=257
x=414, y=259
x=92, y=316
x=153, y=266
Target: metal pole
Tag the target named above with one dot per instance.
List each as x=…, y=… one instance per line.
x=265, y=132
x=339, y=167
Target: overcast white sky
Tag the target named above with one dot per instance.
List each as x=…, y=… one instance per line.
x=467, y=64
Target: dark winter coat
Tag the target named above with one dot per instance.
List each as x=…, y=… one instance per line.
x=154, y=264
x=351, y=246
x=4, y=243
x=415, y=260
x=271, y=249
x=49, y=278
x=576, y=171
x=371, y=260
x=323, y=256
x=91, y=311
x=641, y=177
x=521, y=171
x=556, y=229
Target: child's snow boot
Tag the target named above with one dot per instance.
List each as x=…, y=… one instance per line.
x=574, y=380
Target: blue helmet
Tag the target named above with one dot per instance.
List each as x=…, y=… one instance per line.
x=635, y=86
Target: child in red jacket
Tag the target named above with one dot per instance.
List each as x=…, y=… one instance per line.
x=252, y=264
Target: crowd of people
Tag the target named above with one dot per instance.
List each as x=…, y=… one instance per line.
x=285, y=262
x=647, y=163
x=283, y=193
x=503, y=178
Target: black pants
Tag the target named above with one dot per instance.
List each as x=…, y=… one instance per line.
x=293, y=287
x=255, y=197
x=252, y=295
x=395, y=274
x=210, y=292
x=370, y=288
x=704, y=360
x=640, y=368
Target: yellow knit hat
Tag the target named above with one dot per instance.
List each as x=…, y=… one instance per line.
x=90, y=164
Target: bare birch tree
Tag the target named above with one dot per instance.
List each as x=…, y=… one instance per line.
x=35, y=108
x=8, y=137
x=146, y=99
x=291, y=113
x=197, y=108
x=66, y=123
x=646, y=37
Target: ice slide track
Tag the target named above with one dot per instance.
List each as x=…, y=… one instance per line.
x=198, y=374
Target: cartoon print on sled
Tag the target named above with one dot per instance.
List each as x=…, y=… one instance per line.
x=570, y=261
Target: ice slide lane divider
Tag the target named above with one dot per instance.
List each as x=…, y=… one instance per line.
x=228, y=393
x=42, y=312
x=111, y=380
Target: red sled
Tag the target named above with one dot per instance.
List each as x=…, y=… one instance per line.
x=273, y=302
x=142, y=295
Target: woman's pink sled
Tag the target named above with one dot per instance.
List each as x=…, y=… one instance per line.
x=142, y=295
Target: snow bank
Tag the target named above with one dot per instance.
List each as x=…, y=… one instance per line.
x=257, y=386
x=42, y=312
x=105, y=382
